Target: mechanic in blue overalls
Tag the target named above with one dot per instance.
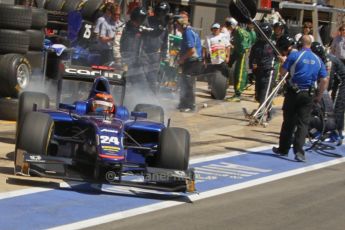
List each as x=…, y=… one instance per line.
x=190, y=60
x=305, y=68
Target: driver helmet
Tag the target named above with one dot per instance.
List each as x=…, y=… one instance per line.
x=102, y=103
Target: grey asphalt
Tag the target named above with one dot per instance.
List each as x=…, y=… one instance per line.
x=313, y=200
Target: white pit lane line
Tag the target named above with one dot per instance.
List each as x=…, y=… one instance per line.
x=193, y=197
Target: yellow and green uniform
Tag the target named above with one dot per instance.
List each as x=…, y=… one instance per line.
x=242, y=43
x=252, y=36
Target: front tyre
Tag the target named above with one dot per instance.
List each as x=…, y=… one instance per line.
x=35, y=134
x=173, y=149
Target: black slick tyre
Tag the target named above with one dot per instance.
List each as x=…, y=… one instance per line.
x=15, y=74
x=35, y=134
x=173, y=149
x=27, y=101
x=55, y=5
x=71, y=5
x=219, y=85
x=39, y=18
x=90, y=8
x=15, y=17
x=154, y=112
x=14, y=41
x=36, y=38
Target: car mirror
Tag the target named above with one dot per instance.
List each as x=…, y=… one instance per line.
x=139, y=114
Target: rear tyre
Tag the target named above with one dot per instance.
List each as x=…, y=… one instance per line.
x=219, y=85
x=15, y=74
x=8, y=109
x=173, y=149
x=154, y=112
x=35, y=134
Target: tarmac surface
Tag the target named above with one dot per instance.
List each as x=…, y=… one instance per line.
x=241, y=183
x=216, y=127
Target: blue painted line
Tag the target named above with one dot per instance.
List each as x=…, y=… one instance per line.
x=60, y=207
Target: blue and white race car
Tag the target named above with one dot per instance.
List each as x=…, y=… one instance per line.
x=99, y=141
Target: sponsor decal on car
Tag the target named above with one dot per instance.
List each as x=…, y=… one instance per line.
x=109, y=130
x=85, y=72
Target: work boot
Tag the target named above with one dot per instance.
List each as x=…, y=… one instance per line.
x=234, y=99
x=279, y=152
x=299, y=157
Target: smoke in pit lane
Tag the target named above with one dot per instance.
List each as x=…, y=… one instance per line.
x=137, y=92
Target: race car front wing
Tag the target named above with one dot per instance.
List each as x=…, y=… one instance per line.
x=160, y=179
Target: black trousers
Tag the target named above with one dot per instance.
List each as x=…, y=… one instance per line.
x=262, y=81
x=187, y=83
x=339, y=106
x=297, y=109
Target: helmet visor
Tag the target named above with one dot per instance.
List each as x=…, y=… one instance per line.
x=102, y=106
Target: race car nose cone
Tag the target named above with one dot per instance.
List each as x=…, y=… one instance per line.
x=242, y=10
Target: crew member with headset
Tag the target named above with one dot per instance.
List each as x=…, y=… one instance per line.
x=336, y=84
x=261, y=61
x=305, y=68
x=155, y=43
x=286, y=45
x=190, y=59
x=131, y=45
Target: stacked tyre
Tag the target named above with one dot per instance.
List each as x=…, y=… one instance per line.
x=21, y=43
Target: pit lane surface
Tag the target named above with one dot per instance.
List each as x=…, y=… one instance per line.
x=313, y=200
x=216, y=129
x=221, y=174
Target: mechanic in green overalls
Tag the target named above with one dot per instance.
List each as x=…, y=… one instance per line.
x=242, y=42
x=252, y=34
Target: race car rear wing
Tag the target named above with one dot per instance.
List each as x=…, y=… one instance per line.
x=115, y=75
